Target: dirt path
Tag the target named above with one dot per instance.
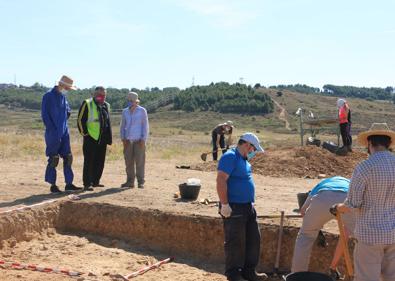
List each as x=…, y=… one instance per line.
x=282, y=116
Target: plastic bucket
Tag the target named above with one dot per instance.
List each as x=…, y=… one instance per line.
x=189, y=192
x=302, y=198
x=308, y=276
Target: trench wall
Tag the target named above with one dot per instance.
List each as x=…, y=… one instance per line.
x=181, y=235
x=27, y=224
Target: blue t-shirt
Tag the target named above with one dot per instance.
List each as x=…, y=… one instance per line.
x=332, y=184
x=241, y=188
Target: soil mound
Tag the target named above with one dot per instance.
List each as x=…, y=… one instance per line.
x=301, y=162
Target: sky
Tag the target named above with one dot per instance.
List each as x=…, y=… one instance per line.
x=161, y=43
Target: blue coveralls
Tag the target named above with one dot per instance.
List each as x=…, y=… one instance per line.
x=55, y=111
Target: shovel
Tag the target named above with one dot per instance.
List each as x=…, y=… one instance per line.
x=203, y=156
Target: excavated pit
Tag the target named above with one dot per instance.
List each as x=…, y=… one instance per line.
x=195, y=241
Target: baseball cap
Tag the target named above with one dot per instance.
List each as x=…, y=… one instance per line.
x=252, y=139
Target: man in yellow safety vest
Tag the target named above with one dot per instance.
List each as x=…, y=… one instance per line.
x=95, y=126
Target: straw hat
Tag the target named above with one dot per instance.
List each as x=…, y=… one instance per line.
x=377, y=129
x=67, y=82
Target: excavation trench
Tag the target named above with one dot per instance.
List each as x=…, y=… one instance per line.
x=186, y=237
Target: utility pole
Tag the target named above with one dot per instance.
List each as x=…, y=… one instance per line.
x=193, y=80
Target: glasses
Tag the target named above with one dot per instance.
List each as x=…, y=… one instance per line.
x=253, y=146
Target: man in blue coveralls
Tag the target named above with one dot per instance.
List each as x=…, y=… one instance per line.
x=236, y=192
x=55, y=111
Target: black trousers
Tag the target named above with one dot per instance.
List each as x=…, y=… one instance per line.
x=242, y=240
x=94, y=157
x=345, y=131
x=214, y=137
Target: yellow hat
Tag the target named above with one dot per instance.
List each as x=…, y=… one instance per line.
x=377, y=129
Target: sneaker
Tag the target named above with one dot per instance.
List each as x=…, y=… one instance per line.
x=97, y=185
x=72, y=187
x=335, y=274
x=127, y=185
x=254, y=276
x=55, y=189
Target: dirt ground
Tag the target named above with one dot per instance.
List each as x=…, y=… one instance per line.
x=22, y=184
x=99, y=259
x=301, y=162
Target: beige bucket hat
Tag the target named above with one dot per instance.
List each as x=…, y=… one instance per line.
x=67, y=82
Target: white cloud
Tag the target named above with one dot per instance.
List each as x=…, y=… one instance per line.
x=224, y=13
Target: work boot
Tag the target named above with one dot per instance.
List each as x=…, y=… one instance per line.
x=349, y=148
x=127, y=185
x=71, y=187
x=254, y=276
x=140, y=185
x=88, y=188
x=55, y=189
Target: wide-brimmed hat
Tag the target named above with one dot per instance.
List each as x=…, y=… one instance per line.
x=229, y=123
x=252, y=139
x=377, y=129
x=133, y=96
x=67, y=82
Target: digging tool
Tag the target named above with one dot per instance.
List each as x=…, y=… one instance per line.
x=144, y=269
x=279, y=216
x=203, y=156
x=280, y=238
x=343, y=241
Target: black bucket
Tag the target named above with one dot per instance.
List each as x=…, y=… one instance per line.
x=302, y=198
x=189, y=192
x=313, y=141
x=330, y=146
x=308, y=276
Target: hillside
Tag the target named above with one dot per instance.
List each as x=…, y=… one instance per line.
x=364, y=112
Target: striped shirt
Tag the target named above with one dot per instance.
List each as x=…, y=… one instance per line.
x=372, y=193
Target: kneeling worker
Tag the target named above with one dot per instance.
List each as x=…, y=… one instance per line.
x=94, y=124
x=315, y=212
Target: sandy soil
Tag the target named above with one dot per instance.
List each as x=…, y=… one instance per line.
x=22, y=184
x=98, y=259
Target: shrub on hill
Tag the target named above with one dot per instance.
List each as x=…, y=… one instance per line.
x=223, y=97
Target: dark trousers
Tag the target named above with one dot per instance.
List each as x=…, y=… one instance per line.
x=242, y=240
x=214, y=137
x=345, y=131
x=94, y=157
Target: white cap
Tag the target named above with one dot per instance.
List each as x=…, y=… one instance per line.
x=252, y=139
x=340, y=102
